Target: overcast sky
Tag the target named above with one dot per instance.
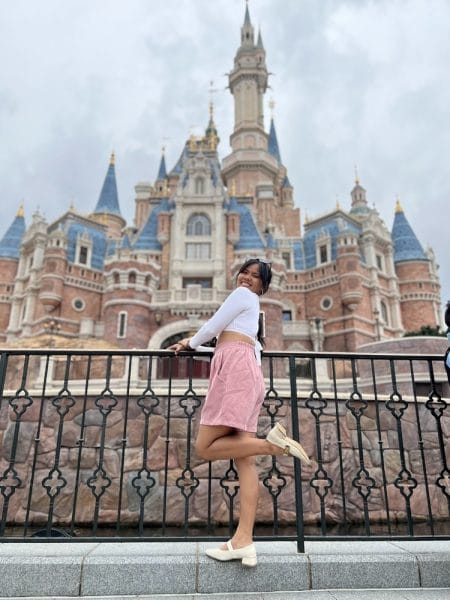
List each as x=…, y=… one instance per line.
x=355, y=82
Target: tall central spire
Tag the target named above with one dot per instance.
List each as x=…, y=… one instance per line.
x=248, y=80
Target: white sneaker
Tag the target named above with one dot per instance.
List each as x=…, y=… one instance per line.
x=277, y=436
x=247, y=554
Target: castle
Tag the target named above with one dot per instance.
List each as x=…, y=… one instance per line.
x=343, y=282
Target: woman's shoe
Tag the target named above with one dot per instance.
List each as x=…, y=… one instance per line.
x=277, y=436
x=247, y=554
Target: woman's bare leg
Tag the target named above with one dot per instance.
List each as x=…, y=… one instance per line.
x=215, y=442
x=248, y=496
x=220, y=442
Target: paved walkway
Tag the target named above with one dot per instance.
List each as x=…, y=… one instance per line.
x=421, y=594
x=393, y=570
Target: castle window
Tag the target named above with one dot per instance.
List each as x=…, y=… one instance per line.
x=326, y=303
x=199, y=185
x=384, y=313
x=379, y=260
x=83, y=255
x=323, y=250
x=198, y=225
x=122, y=324
x=205, y=282
x=78, y=304
x=201, y=251
x=286, y=256
x=132, y=277
x=287, y=315
x=116, y=278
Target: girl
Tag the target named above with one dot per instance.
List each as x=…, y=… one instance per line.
x=236, y=391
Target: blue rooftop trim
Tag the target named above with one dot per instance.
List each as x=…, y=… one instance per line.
x=179, y=165
x=162, y=173
x=126, y=245
x=148, y=236
x=406, y=244
x=249, y=236
x=286, y=183
x=299, y=256
x=273, y=148
x=99, y=244
x=10, y=243
x=271, y=241
x=330, y=228
x=108, y=201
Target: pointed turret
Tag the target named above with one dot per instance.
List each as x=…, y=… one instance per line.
x=247, y=30
x=107, y=210
x=108, y=201
x=273, y=147
x=406, y=245
x=259, y=43
x=162, y=173
x=359, y=207
x=10, y=243
x=211, y=137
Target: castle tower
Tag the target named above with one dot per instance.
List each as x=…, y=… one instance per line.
x=107, y=211
x=249, y=141
x=418, y=284
x=9, y=261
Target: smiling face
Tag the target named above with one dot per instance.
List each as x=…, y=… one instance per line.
x=250, y=278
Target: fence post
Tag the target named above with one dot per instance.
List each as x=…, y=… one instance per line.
x=297, y=466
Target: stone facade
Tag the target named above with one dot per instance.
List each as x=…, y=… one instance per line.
x=340, y=281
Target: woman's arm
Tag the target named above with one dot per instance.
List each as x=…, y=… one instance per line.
x=234, y=304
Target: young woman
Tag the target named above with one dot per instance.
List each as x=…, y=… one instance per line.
x=236, y=391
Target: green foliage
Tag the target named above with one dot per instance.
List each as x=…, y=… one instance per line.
x=427, y=330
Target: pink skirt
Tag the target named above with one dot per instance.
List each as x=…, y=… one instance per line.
x=236, y=388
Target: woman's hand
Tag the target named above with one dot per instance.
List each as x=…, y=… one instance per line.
x=181, y=346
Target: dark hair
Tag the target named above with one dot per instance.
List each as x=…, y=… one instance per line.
x=265, y=271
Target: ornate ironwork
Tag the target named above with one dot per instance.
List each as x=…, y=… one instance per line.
x=87, y=448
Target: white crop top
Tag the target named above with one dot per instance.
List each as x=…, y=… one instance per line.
x=239, y=312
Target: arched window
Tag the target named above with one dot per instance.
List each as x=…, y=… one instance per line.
x=198, y=225
x=122, y=319
x=116, y=278
x=199, y=185
x=132, y=277
x=384, y=313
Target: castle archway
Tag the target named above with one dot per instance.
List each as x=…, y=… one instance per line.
x=181, y=367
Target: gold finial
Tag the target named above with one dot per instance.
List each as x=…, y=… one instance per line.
x=306, y=217
x=356, y=176
x=71, y=206
x=338, y=205
x=20, y=211
x=398, y=206
x=271, y=106
x=112, y=160
x=192, y=142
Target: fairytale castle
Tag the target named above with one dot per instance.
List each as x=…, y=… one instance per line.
x=342, y=282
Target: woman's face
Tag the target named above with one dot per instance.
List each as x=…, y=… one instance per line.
x=250, y=278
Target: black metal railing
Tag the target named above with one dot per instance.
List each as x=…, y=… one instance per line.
x=100, y=445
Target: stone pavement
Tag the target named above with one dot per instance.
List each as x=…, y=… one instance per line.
x=396, y=570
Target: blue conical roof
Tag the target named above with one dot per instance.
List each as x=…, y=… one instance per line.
x=10, y=243
x=108, y=201
x=406, y=244
x=273, y=142
x=249, y=236
x=162, y=173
